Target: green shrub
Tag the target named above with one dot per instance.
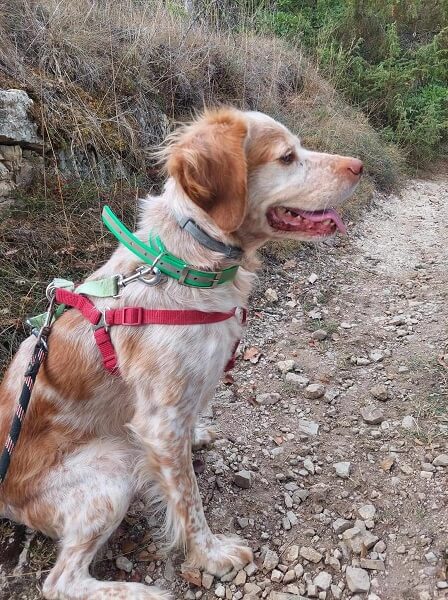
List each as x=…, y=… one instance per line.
x=388, y=57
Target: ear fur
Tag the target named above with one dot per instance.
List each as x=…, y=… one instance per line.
x=208, y=161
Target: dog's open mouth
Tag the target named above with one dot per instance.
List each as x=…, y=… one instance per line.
x=316, y=223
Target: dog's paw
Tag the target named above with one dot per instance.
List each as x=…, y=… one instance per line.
x=221, y=555
x=203, y=436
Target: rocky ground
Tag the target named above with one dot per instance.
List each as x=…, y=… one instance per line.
x=332, y=454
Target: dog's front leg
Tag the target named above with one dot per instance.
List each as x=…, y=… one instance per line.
x=164, y=427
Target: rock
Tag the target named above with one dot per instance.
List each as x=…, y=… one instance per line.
x=271, y=295
x=299, y=381
x=380, y=547
x=336, y=591
x=361, y=540
x=243, y=522
x=372, y=415
x=372, y=565
x=270, y=561
x=276, y=576
x=243, y=479
x=408, y=423
x=299, y=570
x=292, y=517
x=367, y=512
x=192, y=575
x=207, y=580
x=312, y=278
x=11, y=153
x=220, y=591
x=341, y=525
x=300, y=496
x=269, y=398
x=285, y=596
x=310, y=554
x=169, y=572
x=124, y=564
x=342, y=469
x=431, y=558
x=323, y=580
x=314, y=391
x=380, y=392
x=252, y=589
x=333, y=562
x=241, y=578
x=292, y=554
x=16, y=127
x=286, y=524
x=309, y=465
x=285, y=366
x=289, y=576
x=320, y=335
x=357, y=580
x=230, y=576
x=376, y=355
x=361, y=361
x=251, y=569
x=441, y=460
x=308, y=427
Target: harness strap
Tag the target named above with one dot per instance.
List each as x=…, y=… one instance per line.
x=134, y=316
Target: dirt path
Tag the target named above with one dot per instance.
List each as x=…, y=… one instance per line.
x=350, y=370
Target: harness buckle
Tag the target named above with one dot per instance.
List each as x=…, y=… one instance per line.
x=101, y=322
x=132, y=315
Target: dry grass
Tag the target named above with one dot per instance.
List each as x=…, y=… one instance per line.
x=109, y=79
x=104, y=74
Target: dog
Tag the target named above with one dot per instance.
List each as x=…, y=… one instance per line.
x=91, y=441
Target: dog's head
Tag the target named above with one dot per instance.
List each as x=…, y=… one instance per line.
x=252, y=177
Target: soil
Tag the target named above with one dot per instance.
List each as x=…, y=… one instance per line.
x=379, y=298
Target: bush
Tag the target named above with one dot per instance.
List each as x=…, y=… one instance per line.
x=389, y=58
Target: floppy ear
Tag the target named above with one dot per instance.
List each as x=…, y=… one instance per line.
x=209, y=162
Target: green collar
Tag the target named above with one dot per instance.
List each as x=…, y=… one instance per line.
x=155, y=254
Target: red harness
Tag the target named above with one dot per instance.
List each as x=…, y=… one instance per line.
x=136, y=315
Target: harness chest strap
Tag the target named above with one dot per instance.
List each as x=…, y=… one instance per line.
x=131, y=315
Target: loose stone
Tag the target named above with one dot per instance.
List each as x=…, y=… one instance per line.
x=299, y=381
x=441, y=460
x=408, y=422
x=372, y=415
x=314, y=391
x=367, y=512
x=380, y=392
x=124, y=564
x=269, y=398
x=285, y=366
x=342, y=469
x=308, y=427
x=323, y=580
x=310, y=554
x=357, y=580
x=243, y=479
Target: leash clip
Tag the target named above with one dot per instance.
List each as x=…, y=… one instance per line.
x=140, y=275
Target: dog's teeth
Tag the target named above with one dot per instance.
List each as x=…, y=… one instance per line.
x=327, y=222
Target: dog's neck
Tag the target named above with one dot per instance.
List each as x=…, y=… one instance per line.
x=161, y=215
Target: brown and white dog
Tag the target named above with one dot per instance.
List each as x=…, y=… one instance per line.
x=91, y=441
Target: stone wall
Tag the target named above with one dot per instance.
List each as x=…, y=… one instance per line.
x=21, y=147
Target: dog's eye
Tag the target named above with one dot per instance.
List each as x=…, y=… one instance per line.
x=288, y=158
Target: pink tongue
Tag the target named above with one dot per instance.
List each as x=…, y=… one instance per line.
x=322, y=215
